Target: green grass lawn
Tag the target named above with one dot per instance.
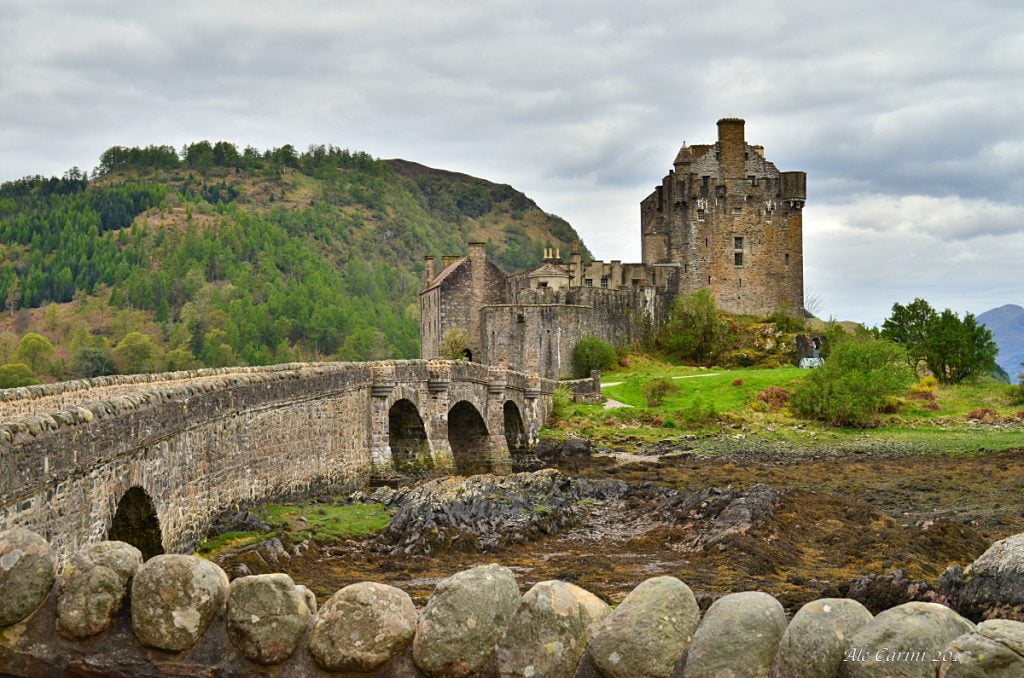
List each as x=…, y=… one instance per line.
x=713, y=410
x=323, y=522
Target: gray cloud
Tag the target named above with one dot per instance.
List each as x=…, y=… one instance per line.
x=905, y=115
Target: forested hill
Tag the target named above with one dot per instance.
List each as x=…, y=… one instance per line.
x=217, y=256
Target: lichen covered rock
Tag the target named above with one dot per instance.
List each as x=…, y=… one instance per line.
x=463, y=620
x=92, y=587
x=739, y=637
x=362, y=626
x=815, y=641
x=994, y=648
x=550, y=631
x=902, y=641
x=267, y=617
x=993, y=585
x=647, y=634
x=174, y=599
x=26, y=574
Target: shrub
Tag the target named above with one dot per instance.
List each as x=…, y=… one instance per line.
x=16, y=374
x=697, y=414
x=738, y=382
x=926, y=389
x=981, y=414
x=561, y=399
x=34, y=350
x=850, y=389
x=455, y=344
x=695, y=329
x=786, y=322
x=774, y=398
x=92, y=362
x=591, y=353
x=656, y=390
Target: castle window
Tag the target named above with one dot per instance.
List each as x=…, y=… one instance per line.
x=709, y=279
x=635, y=281
x=720, y=191
x=542, y=284
x=700, y=215
x=705, y=242
x=738, y=258
x=737, y=211
x=520, y=318
x=588, y=282
x=752, y=180
x=604, y=282
x=787, y=259
x=704, y=183
x=737, y=242
x=746, y=155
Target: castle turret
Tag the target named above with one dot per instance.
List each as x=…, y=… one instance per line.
x=732, y=148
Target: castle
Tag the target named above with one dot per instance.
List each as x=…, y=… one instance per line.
x=723, y=219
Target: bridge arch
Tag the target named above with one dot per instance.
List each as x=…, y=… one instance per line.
x=407, y=436
x=136, y=522
x=515, y=431
x=469, y=438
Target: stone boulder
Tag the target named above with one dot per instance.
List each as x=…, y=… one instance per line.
x=648, y=632
x=738, y=638
x=993, y=585
x=994, y=648
x=362, y=626
x=814, y=643
x=267, y=617
x=174, y=599
x=26, y=574
x=92, y=587
x=902, y=641
x=463, y=620
x=550, y=631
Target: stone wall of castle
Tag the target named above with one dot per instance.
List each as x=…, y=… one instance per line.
x=732, y=222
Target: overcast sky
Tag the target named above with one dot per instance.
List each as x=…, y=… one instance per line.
x=907, y=116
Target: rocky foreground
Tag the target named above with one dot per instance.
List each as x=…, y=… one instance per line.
x=108, y=613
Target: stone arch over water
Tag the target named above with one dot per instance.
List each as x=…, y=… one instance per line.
x=469, y=438
x=407, y=436
x=515, y=431
x=136, y=523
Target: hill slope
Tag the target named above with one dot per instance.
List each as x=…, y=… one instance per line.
x=1007, y=326
x=228, y=257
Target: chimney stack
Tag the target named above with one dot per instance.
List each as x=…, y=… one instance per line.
x=477, y=251
x=428, y=270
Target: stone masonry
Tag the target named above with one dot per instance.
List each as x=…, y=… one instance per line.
x=197, y=445
x=724, y=219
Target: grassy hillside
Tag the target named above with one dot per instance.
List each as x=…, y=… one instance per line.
x=225, y=257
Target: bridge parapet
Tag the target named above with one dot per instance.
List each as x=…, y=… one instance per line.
x=202, y=441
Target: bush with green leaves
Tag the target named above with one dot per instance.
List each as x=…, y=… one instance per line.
x=954, y=349
x=852, y=388
x=561, y=399
x=35, y=351
x=455, y=344
x=656, y=390
x=695, y=329
x=14, y=375
x=91, y=362
x=786, y=321
x=592, y=353
x=697, y=414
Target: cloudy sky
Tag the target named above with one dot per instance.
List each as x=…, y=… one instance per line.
x=907, y=116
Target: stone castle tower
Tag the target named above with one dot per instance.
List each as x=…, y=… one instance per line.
x=724, y=219
x=732, y=223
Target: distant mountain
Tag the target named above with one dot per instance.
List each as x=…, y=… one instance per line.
x=1007, y=326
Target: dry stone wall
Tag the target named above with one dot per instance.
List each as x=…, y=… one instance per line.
x=197, y=445
x=111, y=614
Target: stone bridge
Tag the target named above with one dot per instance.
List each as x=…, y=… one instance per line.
x=151, y=459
